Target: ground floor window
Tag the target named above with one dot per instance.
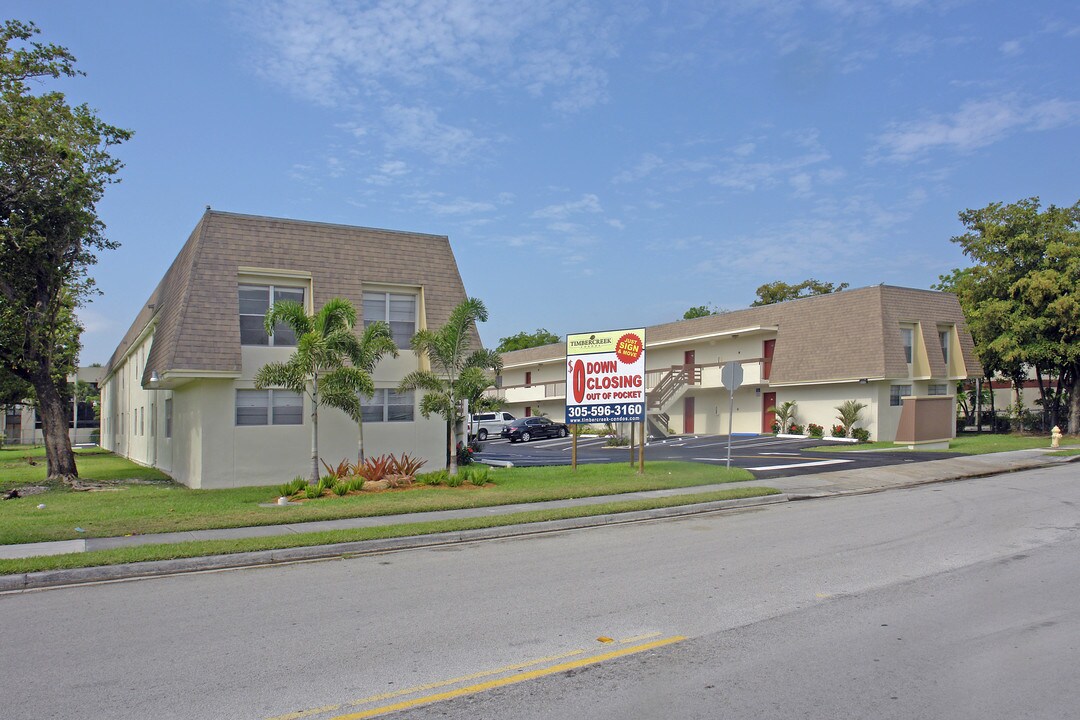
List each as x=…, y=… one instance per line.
x=269, y=407
x=388, y=405
x=896, y=392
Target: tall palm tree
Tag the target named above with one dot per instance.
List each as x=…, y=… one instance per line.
x=324, y=341
x=454, y=369
x=376, y=341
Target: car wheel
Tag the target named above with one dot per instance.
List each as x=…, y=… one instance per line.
x=562, y=432
x=482, y=435
x=525, y=437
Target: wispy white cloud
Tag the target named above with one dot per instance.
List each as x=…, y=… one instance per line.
x=644, y=167
x=441, y=204
x=588, y=203
x=420, y=129
x=335, y=50
x=976, y=124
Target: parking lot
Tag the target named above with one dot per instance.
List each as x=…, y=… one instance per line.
x=764, y=455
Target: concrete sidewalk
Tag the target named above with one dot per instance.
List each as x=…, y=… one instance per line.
x=839, y=482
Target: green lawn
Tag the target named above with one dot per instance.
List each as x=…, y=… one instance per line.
x=967, y=444
x=217, y=547
x=166, y=507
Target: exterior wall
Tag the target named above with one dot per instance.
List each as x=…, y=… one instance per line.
x=208, y=450
x=816, y=403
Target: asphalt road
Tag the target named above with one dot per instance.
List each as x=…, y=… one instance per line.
x=955, y=600
x=764, y=455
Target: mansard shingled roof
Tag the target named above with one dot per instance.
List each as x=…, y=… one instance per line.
x=841, y=336
x=195, y=307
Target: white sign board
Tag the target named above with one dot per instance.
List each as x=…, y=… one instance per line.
x=605, y=376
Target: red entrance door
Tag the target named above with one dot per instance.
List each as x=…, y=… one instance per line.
x=768, y=400
x=688, y=415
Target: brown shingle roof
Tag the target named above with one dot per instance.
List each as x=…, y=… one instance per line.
x=841, y=336
x=196, y=307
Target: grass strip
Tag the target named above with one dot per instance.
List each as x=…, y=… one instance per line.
x=202, y=548
x=963, y=444
x=144, y=509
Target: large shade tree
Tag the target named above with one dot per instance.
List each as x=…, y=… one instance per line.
x=318, y=369
x=55, y=164
x=456, y=368
x=1021, y=295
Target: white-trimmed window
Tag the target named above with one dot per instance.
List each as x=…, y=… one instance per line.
x=397, y=310
x=907, y=337
x=896, y=392
x=269, y=407
x=168, y=417
x=943, y=336
x=937, y=389
x=255, y=303
x=388, y=405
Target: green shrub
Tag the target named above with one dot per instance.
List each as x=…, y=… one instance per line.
x=455, y=480
x=298, y=484
x=839, y=431
x=617, y=441
x=314, y=491
x=435, y=477
x=327, y=482
x=814, y=430
x=477, y=474
x=356, y=483
x=795, y=429
x=285, y=490
x=341, y=488
x=860, y=434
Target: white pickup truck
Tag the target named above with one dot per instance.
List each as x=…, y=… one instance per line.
x=488, y=423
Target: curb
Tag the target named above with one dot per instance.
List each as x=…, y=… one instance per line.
x=158, y=568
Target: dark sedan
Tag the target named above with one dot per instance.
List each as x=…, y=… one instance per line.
x=526, y=429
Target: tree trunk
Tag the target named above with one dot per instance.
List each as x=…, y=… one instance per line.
x=360, y=442
x=314, y=432
x=452, y=431
x=1074, y=400
x=55, y=414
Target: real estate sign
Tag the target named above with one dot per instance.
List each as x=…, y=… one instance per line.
x=605, y=376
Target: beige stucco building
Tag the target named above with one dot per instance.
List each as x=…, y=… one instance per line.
x=875, y=345
x=178, y=392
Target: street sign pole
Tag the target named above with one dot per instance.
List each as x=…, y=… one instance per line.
x=730, y=417
x=731, y=377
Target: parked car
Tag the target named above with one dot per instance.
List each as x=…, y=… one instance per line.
x=488, y=423
x=526, y=429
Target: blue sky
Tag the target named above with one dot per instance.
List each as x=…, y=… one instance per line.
x=595, y=165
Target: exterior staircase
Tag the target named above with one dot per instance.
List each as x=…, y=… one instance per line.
x=671, y=386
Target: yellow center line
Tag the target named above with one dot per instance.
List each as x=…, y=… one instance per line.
x=420, y=688
x=513, y=679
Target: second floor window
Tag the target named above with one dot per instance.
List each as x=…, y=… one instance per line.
x=255, y=301
x=907, y=335
x=399, y=311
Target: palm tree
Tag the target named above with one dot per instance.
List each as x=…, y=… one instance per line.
x=785, y=414
x=849, y=414
x=324, y=341
x=455, y=371
x=376, y=342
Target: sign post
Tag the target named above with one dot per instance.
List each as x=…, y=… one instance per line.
x=605, y=378
x=731, y=377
